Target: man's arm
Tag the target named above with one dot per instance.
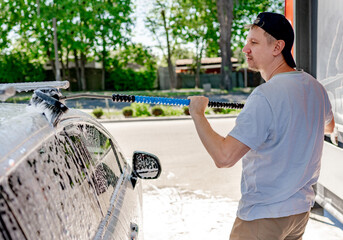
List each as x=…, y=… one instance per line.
x=225, y=151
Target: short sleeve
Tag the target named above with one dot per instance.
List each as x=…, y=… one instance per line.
x=328, y=118
x=253, y=123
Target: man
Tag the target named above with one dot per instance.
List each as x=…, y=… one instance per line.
x=279, y=134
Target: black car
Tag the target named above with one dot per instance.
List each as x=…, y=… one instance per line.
x=67, y=180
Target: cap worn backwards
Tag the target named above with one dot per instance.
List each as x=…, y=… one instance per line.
x=279, y=27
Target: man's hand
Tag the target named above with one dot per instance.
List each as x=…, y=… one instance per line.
x=198, y=105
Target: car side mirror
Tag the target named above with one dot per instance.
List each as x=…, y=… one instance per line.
x=146, y=165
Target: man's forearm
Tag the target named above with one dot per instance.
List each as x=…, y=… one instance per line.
x=210, y=139
x=225, y=152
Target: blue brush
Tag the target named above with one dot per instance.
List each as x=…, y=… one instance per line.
x=170, y=101
x=48, y=101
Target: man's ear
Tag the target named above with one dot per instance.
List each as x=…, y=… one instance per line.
x=279, y=46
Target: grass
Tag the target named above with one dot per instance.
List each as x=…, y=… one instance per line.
x=246, y=90
x=145, y=110
x=115, y=113
x=20, y=98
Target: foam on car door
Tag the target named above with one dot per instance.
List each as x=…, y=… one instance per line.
x=111, y=179
x=50, y=194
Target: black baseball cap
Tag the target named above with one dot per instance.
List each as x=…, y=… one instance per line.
x=280, y=28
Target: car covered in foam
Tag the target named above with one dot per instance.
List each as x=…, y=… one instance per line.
x=69, y=180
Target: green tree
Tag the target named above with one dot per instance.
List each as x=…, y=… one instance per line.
x=136, y=54
x=18, y=67
x=211, y=25
x=159, y=22
x=225, y=17
x=195, y=22
x=85, y=29
x=232, y=16
x=6, y=25
x=32, y=21
x=112, y=25
x=132, y=68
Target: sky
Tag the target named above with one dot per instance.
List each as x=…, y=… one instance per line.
x=140, y=33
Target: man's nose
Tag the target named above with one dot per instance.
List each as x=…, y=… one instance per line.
x=246, y=49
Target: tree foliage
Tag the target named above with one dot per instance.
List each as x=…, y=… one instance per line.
x=160, y=22
x=132, y=68
x=195, y=23
x=90, y=30
x=86, y=29
x=17, y=67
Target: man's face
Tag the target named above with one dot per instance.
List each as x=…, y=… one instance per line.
x=258, y=52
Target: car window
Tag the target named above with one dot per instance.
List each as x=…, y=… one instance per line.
x=51, y=192
x=119, y=154
x=98, y=145
x=106, y=169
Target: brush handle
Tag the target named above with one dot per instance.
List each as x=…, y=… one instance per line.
x=170, y=101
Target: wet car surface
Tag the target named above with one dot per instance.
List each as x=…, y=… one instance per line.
x=70, y=181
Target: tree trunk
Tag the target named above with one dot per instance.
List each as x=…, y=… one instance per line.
x=67, y=67
x=171, y=74
x=170, y=65
x=58, y=74
x=63, y=76
x=225, y=17
x=48, y=53
x=77, y=70
x=83, y=74
x=103, y=73
x=197, y=72
x=198, y=63
x=103, y=70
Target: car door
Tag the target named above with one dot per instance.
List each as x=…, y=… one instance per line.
x=111, y=176
x=74, y=184
x=50, y=192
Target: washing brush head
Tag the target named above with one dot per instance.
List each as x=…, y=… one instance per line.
x=46, y=101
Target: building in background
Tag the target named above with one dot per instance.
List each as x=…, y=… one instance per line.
x=208, y=65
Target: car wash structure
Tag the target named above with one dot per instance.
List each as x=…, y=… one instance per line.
x=318, y=49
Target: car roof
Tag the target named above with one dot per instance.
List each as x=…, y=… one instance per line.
x=22, y=129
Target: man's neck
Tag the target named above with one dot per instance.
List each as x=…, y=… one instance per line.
x=279, y=68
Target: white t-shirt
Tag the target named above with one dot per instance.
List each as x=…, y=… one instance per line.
x=283, y=123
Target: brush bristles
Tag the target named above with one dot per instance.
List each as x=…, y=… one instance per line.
x=50, y=107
